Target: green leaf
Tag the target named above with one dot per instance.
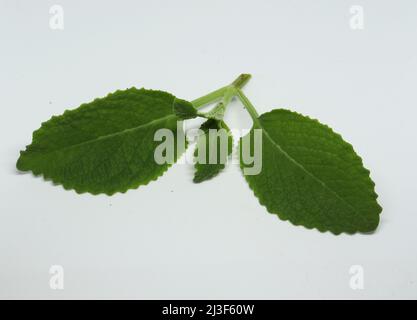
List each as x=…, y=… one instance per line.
x=184, y=109
x=211, y=153
x=311, y=176
x=104, y=146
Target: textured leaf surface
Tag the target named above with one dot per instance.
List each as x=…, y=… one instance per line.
x=104, y=146
x=311, y=176
x=206, y=169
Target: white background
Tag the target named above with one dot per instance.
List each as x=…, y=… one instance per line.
x=175, y=239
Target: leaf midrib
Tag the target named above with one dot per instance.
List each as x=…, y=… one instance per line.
x=111, y=134
x=289, y=157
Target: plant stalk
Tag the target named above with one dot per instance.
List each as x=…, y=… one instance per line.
x=248, y=105
x=209, y=98
x=226, y=94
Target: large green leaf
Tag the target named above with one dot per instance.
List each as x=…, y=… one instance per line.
x=104, y=146
x=213, y=158
x=311, y=176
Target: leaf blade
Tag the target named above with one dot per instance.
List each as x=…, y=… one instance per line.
x=204, y=170
x=105, y=146
x=312, y=177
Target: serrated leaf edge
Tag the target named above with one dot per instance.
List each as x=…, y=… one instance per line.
x=368, y=181
x=69, y=187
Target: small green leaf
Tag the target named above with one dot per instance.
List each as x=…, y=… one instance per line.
x=104, y=146
x=311, y=176
x=213, y=148
x=184, y=109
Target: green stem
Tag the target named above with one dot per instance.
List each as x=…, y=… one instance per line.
x=218, y=111
x=223, y=92
x=226, y=94
x=248, y=105
x=209, y=98
x=241, y=80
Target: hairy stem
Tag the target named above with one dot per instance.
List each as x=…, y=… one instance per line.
x=209, y=98
x=226, y=94
x=218, y=111
x=248, y=105
x=241, y=80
